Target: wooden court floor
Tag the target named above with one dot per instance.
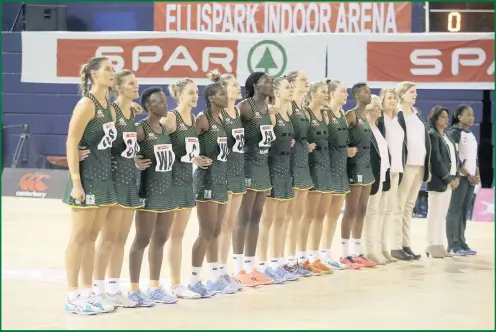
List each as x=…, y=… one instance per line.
x=454, y=293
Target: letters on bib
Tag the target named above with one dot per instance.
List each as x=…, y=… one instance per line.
x=131, y=142
x=239, y=137
x=110, y=134
x=268, y=136
x=192, y=149
x=164, y=157
x=223, y=149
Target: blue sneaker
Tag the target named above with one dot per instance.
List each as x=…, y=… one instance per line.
x=140, y=298
x=232, y=282
x=459, y=252
x=303, y=272
x=289, y=276
x=278, y=279
x=200, y=289
x=159, y=295
x=221, y=286
x=470, y=251
x=81, y=307
x=335, y=265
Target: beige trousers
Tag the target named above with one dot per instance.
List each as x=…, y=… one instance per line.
x=407, y=196
x=389, y=210
x=372, y=224
x=436, y=216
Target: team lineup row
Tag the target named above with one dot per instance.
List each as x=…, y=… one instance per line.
x=272, y=174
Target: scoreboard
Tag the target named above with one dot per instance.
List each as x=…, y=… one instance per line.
x=459, y=16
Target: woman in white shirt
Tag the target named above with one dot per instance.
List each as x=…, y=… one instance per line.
x=456, y=220
x=444, y=173
x=380, y=162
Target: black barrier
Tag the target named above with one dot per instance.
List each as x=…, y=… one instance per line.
x=33, y=183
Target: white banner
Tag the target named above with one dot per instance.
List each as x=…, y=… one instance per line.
x=434, y=61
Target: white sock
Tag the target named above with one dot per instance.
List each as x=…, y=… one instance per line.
x=238, y=263
x=329, y=255
x=113, y=285
x=72, y=295
x=280, y=260
x=86, y=292
x=274, y=263
x=214, y=268
x=357, y=247
x=249, y=264
x=314, y=255
x=291, y=260
x=262, y=266
x=222, y=269
x=195, y=275
x=345, y=247
x=324, y=254
x=302, y=257
x=98, y=287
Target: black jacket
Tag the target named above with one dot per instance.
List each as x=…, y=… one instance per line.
x=375, y=162
x=440, y=162
x=401, y=120
x=386, y=185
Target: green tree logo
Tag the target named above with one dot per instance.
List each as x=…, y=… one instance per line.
x=266, y=62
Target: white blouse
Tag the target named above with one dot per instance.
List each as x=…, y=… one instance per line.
x=395, y=137
x=384, y=152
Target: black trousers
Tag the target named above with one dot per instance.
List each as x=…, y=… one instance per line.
x=456, y=219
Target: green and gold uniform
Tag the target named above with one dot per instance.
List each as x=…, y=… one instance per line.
x=95, y=170
x=280, y=160
x=318, y=159
x=299, y=155
x=235, y=160
x=186, y=147
x=156, y=189
x=338, y=152
x=211, y=183
x=359, y=167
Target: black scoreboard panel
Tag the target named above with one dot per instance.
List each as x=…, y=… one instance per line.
x=461, y=16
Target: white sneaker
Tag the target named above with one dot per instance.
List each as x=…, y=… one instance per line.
x=119, y=300
x=81, y=307
x=183, y=292
x=101, y=302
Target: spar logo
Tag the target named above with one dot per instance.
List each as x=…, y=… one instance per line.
x=33, y=185
x=170, y=58
x=268, y=56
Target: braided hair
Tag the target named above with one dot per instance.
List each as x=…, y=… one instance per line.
x=211, y=90
x=85, y=73
x=251, y=81
x=458, y=111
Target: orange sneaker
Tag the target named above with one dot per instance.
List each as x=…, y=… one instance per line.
x=350, y=263
x=362, y=260
x=260, y=278
x=246, y=280
x=321, y=266
x=312, y=267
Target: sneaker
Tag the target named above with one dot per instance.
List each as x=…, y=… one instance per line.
x=335, y=265
x=364, y=261
x=350, y=263
x=470, y=251
x=201, y=289
x=246, y=280
x=459, y=252
x=221, y=286
x=81, y=307
x=233, y=281
x=312, y=268
x=101, y=302
x=322, y=267
x=301, y=271
x=289, y=276
x=183, y=292
x=267, y=277
x=159, y=295
x=141, y=299
x=119, y=300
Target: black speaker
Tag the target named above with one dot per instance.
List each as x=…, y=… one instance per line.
x=45, y=18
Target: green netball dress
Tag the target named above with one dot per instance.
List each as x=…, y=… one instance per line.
x=338, y=153
x=124, y=149
x=211, y=184
x=95, y=170
x=359, y=168
x=259, y=135
x=299, y=155
x=156, y=188
x=186, y=148
x=235, y=160
x=318, y=159
x=280, y=160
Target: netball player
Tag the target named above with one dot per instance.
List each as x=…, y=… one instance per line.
x=236, y=187
x=259, y=135
x=361, y=179
x=90, y=189
x=275, y=209
x=154, y=218
x=110, y=249
x=300, y=172
x=180, y=124
x=338, y=153
x=319, y=197
x=417, y=168
x=210, y=185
